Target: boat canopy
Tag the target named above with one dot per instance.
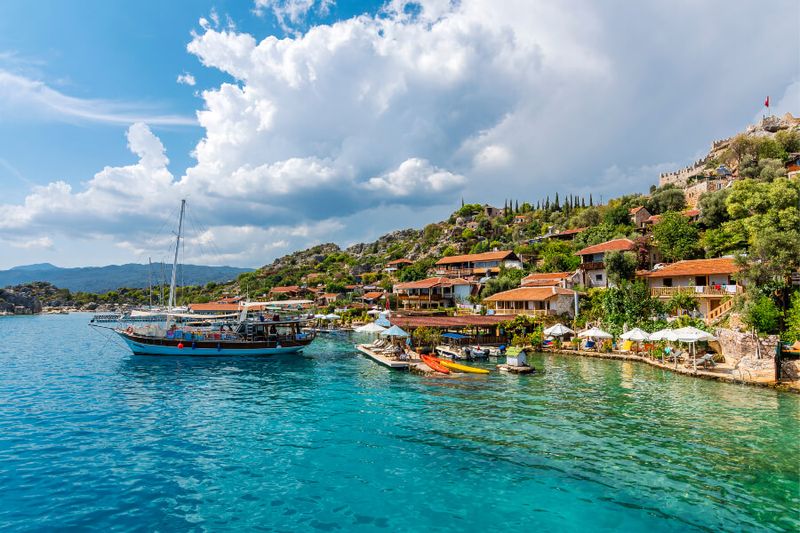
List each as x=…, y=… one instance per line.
x=450, y=335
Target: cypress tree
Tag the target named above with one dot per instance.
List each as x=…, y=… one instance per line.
x=583, y=201
x=462, y=201
x=591, y=202
x=547, y=203
x=557, y=207
x=516, y=207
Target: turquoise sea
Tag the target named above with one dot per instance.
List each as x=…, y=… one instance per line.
x=94, y=438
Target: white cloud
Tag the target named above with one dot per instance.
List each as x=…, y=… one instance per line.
x=186, y=79
x=404, y=111
x=29, y=99
x=41, y=242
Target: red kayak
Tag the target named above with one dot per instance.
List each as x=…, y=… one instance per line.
x=434, y=364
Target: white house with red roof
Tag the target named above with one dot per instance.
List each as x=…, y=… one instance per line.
x=432, y=293
x=477, y=265
x=533, y=301
x=593, y=267
x=710, y=280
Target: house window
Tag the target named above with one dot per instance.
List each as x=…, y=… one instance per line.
x=700, y=281
x=667, y=282
x=598, y=277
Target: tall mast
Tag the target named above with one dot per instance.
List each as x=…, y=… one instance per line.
x=150, y=280
x=175, y=261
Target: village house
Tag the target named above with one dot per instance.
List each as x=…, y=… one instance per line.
x=793, y=165
x=397, y=264
x=533, y=301
x=486, y=264
x=639, y=216
x=565, y=280
x=491, y=211
x=432, y=293
x=593, y=266
x=372, y=297
x=710, y=280
x=288, y=291
x=328, y=298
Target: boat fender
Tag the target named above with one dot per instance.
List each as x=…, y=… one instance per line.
x=278, y=345
x=219, y=347
x=194, y=344
x=180, y=346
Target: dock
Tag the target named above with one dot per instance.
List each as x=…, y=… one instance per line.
x=394, y=364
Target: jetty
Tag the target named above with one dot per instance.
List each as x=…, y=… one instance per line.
x=389, y=362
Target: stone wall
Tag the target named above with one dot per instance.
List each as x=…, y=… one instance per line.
x=740, y=350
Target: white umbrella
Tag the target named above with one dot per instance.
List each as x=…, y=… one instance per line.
x=319, y=316
x=594, y=333
x=332, y=316
x=372, y=327
x=373, y=312
x=692, y=335
x=394, y=331
x=559, y=330
x=664, y=335
x=636, y=335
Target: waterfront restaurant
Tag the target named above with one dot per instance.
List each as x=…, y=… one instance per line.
x=486, y=264
x=710, y=280
x=533, y=301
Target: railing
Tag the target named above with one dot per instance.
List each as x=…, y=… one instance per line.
x=718, y=311
x=593, y=265
x=697, y=290
x=454, y=272
x=531, y=312
x=420, y=297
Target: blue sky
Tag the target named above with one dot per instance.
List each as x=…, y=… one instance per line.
x=307, y=125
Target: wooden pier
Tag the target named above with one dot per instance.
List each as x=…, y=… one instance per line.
x=394, y=364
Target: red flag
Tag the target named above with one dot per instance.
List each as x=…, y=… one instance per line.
x=766, y=102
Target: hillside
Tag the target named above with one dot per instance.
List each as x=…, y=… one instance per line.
x=107, y=278
x=738, y=200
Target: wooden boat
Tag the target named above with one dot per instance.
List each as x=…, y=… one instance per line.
x=434, y=364
x=462, y=368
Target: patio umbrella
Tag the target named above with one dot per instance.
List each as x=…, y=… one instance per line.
x=394, y=331
x=332, y=316
x=373, y=312
x=664, y=335
x=636, y=335
x=691, y=336
x=372, y=327
x=594, y=333
x=384, y=322
x=559, y=330
x=319, y=316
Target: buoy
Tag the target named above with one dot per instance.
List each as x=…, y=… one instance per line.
x=180, y=346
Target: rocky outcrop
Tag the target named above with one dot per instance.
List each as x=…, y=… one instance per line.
x=746, y=351
x=19, y=300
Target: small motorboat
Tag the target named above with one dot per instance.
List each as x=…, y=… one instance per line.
x=463, y=368
x=434, y=364
x=476, y=352
x=450, y=352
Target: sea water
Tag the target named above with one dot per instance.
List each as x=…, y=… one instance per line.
x=92, y=437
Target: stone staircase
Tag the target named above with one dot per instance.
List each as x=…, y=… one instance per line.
x=716, y=314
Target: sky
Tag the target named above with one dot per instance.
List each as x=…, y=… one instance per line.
x=288, y=123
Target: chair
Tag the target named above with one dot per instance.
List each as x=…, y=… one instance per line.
x=707, y=361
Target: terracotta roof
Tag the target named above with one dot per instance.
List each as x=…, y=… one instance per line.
x=372, y=295
x=471, y=258
x=692, y=213
x=653, y=219
x=447, y=321
x=525, y=294
x=288, y=288
x=544, y=278
x=615, y=245
x=333, y=295
x=636, y=209
x=214, y=307
x=568, y=232
x=401, y=262
x=696, y=267
x=431, y=282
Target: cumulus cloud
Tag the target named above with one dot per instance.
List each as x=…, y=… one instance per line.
x=29, y=99
x=186, y=79
x=406, y=110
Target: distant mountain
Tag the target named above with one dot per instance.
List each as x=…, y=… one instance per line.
x=107, y=278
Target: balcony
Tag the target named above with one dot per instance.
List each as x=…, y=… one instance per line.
x=593, y=265
x=420, y=297
x=454, y=272
x=530, y=312
x=698, y=290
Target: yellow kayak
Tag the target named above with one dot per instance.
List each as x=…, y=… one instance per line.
x=463, y=368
